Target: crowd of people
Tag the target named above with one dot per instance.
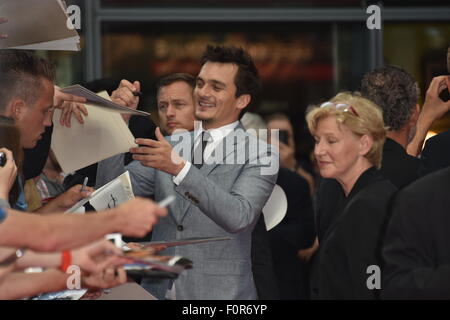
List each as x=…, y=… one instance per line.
x=366, y=220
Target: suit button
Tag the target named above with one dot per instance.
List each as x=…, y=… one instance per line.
x=180, y=227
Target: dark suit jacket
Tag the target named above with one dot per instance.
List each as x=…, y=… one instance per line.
x=294, y=232
x=328, y=200
x=417, y=244
x=262, y=263
x=436, y=153
x=352, y=242
x=397, y=166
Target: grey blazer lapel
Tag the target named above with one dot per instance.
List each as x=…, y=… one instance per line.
x=207, y=168
x=181, y=204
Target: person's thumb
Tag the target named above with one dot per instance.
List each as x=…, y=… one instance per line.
x=137, y=85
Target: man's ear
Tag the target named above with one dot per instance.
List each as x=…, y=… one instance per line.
x=15, y=109
x=243, y=101
x=414, y=116
x=365, y=144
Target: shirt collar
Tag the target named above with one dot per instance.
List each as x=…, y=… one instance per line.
x=369, y=176
x=217, y=133
x=393, y=145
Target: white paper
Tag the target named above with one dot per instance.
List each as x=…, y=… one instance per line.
x=181, y=242
x=117, y=238
x=62, y=295
x=109, y=196
x=99, y=101
x=80, y=210
x=37, y=25
x=69, y=44
x=104, y=134
x=275, y=208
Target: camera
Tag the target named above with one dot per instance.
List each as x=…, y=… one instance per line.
x=445, y=94
x=283, y=136
x=2, y=159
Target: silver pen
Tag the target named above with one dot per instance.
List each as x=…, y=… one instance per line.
x=165, y=202
x=84, y=184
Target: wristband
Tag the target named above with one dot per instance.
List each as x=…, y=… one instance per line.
x=4, y=203
x=3, y=214
x=66, y=260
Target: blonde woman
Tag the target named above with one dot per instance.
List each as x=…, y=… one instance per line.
x=349, y=134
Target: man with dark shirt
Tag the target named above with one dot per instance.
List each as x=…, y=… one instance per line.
x=396, y=92
x=436, y=153
x=416, y=255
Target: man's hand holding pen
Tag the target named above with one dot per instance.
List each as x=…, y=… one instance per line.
x=127, y=95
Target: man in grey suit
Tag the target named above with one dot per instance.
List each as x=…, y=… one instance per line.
x=220, y=191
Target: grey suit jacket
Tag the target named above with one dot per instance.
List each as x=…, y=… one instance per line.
x=215, y=200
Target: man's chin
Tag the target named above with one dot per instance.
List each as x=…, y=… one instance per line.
x=30, y=145
x=33, y=143
x=165, y=131
x=201, y=115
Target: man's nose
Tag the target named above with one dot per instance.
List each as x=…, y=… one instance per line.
x=170, y=111
x=204, y=91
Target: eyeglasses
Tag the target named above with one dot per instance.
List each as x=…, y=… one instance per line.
x=340, y=106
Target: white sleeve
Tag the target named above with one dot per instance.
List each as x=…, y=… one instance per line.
x=179, y=178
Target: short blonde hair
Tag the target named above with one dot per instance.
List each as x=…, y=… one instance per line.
x=363, y=117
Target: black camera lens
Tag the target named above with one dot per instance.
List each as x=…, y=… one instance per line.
x=2, y=159
x=445, y=95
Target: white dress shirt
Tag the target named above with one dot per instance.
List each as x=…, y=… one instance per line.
x=217, y=135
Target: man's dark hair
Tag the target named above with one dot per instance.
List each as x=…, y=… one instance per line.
x=175, y=77
x=21, y=74
x=247, y=79
x=395, y=91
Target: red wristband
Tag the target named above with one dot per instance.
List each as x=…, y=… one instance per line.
x=66, y=260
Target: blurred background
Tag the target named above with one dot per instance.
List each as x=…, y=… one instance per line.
x=306, y=51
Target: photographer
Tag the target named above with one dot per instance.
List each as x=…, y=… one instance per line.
x=287, y=147
x=8, y=173
x=433, y=109
x=9, y=146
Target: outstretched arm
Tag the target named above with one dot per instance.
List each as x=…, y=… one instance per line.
x=61, y=231
x=433, y=109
